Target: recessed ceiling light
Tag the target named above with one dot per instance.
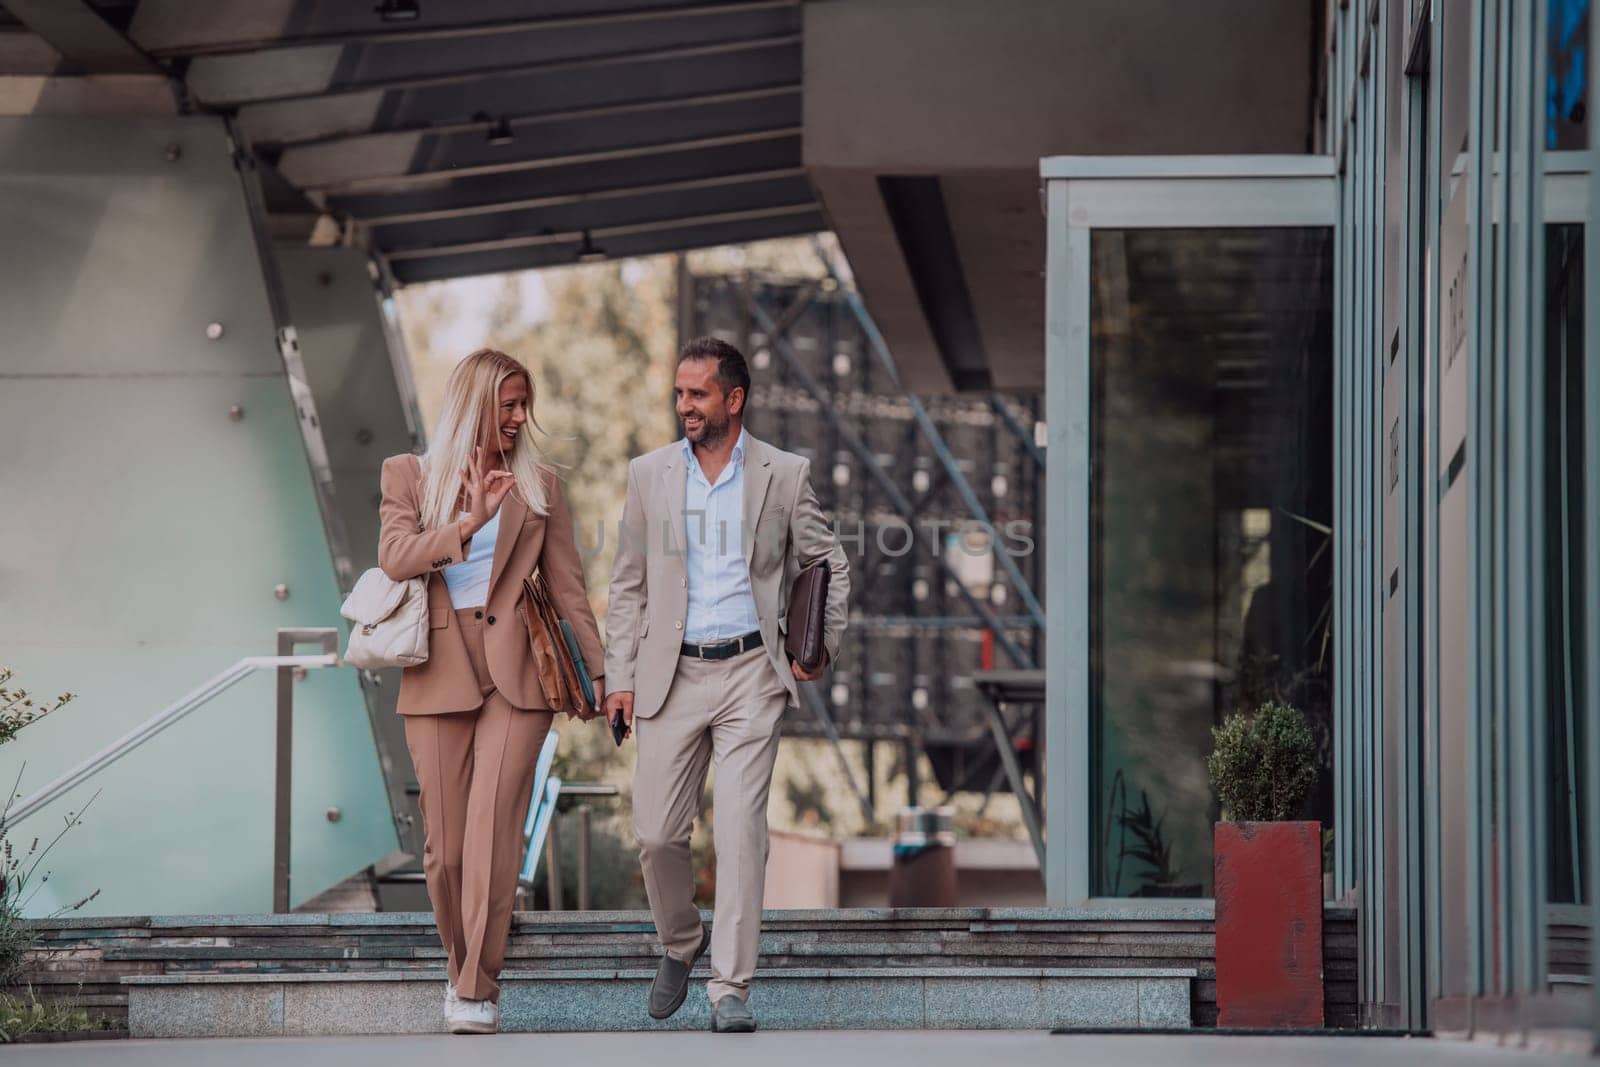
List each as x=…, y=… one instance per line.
x=589, y=252
x=500, y=131
x=398, y=10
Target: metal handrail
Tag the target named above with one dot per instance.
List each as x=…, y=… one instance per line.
x=541, y=805
x=542, y=831
x=285, y=664
x=174, y=712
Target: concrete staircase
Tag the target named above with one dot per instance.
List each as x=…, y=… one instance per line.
x=1121, y=964
x=843, y=998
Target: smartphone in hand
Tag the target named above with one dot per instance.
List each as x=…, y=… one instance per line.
x=619, y=729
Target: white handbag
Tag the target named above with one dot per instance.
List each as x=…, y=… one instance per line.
x=388, y=621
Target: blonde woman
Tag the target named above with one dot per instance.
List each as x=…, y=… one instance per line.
x=479, y=512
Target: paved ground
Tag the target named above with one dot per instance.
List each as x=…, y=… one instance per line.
x=808, y=1049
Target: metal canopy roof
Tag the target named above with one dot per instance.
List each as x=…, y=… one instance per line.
x=472, y=136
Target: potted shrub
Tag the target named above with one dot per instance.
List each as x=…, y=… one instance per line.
x=1268, y=871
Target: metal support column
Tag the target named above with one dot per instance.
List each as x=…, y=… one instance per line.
x=584, y=815
x=283, y=791
x=1591, y=538
x=552, y=861
x=1067, y=567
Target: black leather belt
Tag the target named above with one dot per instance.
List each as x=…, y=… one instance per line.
x=724, y=649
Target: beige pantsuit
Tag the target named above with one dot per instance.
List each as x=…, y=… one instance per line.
x=724, y=714
x=475, y=769
x=690, y=713
x=475, y=713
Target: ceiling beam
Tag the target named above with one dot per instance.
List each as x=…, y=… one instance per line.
x=452, y=197
x=633, y=229
x=525, y=93
x=714, y=181
x=22, y=52
x=322, y=70
x=87, y=94
x=607, y=215
x=83, y=38
x=685, y=235
x=358, y=157
x=426, y=158
x=184, y=28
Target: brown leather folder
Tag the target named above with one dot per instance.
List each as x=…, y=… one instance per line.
x=808, y=601
x=562, y=674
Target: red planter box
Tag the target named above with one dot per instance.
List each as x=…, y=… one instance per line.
x=1269, y=924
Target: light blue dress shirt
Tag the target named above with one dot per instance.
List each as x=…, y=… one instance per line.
x=721, y=603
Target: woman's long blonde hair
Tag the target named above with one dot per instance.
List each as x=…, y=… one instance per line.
x=471, y=402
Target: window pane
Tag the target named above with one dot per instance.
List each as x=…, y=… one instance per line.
x=1211, y=500
x=1564, y=566
x=1567, y=88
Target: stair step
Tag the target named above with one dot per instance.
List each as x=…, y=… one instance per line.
x=94, y=953
x=773, y=952
x=1154, y=915
x=410, y=1002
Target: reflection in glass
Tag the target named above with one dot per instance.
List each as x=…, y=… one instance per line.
x=1564, y=571
x=1210, y=514
x=1567, y=87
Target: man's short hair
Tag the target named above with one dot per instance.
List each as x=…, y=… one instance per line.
x=732, y=371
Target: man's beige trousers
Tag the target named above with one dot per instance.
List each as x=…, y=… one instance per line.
x=725, y=713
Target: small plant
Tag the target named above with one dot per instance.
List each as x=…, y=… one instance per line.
x=1139, y=835
x=1264, y=764
x=18, y=887
x=24, y=1015
x=18, y=708
x=20, y=876
x=1150, y=845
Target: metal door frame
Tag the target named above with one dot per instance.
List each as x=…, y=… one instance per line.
x=1082, y=194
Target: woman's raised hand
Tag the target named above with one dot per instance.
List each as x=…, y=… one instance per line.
x=486, y=489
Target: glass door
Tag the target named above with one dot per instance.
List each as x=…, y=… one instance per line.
x=1190, y=390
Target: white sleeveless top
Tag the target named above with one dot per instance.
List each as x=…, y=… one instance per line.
x=469, y=580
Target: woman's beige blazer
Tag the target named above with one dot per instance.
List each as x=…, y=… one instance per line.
x=445, y=683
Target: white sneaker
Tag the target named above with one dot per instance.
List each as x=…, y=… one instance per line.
x=450, y=998
x=473, y=1017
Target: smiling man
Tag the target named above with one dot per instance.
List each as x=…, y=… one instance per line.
x=714, y=529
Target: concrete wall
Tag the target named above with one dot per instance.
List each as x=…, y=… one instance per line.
x=145, y=529
x=975, y=94
x=908, y=86
x=814, y=872
x=802, y=872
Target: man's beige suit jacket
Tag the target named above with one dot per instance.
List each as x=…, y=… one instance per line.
x=784, y=529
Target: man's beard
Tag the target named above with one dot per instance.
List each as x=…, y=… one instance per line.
x=713, y=432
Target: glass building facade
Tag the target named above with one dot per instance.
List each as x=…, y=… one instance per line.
x=1323, y=429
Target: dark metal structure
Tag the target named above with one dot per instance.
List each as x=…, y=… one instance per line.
x=914, y=487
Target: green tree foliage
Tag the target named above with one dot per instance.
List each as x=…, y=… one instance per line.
x=599, y=340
